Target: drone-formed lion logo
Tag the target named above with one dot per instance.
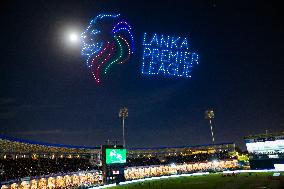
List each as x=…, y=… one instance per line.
x=107, y=41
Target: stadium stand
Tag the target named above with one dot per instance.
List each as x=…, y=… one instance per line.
x=265, y=150
x=168, y=155
x=24, y=158
x=29, y=164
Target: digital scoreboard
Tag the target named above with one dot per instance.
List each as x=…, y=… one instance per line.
x=114, y=156
x=113, y=163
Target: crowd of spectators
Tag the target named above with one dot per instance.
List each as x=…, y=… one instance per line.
x=84, y=179
x=160, y=170
x=52, y=166
x=64, y=181
x=201, y=157
x=27, y=167
x=13, y=145
x=143, y=161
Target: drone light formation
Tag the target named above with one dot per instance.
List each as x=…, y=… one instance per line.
x=168, y=56
x=103, y=47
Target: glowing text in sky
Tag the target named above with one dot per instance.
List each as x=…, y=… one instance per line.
x=168, y=56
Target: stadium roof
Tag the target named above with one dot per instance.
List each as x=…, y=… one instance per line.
x=264, y=135
x=13, y=139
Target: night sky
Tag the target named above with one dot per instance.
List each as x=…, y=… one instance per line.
x=48, y=94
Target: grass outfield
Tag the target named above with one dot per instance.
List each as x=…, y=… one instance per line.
x=216, y=181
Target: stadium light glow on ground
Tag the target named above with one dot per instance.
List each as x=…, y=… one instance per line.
x=150, y=179
x=182, y=175
x=251, y=171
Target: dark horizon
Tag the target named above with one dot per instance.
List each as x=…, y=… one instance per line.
x=48, y=94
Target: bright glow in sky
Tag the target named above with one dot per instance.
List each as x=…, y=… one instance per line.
x=73, y=37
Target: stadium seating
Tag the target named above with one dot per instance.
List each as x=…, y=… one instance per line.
x=28, y=164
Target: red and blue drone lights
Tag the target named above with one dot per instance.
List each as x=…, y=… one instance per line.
x=106, y=41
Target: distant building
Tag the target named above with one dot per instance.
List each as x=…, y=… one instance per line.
x=265, y=150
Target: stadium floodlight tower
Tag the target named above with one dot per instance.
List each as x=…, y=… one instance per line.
x=209, y=114
x=123, y=113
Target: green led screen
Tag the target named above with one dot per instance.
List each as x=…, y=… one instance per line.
x=115, y=156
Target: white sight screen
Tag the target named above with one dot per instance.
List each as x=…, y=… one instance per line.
x=276, y=146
